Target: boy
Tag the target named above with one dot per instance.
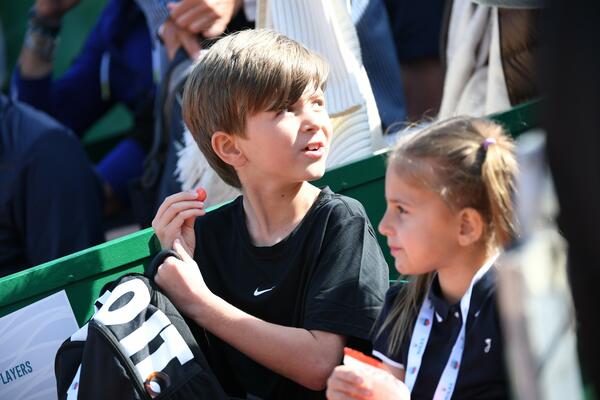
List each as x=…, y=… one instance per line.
x=286, y=274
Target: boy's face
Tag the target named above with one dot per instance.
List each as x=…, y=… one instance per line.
x=288, y=146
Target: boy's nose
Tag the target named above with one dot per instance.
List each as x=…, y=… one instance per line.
x=312, y=121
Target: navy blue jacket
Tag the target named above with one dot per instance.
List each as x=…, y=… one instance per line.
x=75, y=99
x=50, y=198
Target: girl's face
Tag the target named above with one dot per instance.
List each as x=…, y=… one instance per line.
x=421, y=230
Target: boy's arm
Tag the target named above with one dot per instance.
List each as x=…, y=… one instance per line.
x=306, y=357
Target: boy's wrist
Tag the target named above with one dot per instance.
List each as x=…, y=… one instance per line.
x=204, y=307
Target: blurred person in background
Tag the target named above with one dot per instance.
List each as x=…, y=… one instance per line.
x=50, y=197
x=569, y=69
x=115, y=65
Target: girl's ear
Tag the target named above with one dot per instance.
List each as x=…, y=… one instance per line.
x=224, y=144
x=471, y=226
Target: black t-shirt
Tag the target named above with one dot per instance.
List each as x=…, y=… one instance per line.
x=482, y=373
x=329, y=274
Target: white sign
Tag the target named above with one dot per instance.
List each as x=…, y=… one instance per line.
x=29, y=339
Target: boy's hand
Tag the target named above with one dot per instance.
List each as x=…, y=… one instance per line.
x=175, y=219
x=350, y=382
x=182, y=281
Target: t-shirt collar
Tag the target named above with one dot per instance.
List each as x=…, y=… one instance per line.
x=482, y=289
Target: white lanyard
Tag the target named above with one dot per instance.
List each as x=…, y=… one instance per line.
x=420, y=336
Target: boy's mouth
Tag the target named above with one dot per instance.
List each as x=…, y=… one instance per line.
x=314, y=146
x=314, y=150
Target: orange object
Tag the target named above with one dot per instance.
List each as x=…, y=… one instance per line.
x=201, y=194
x=363, y=358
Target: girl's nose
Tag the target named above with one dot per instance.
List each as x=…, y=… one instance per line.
x=384, y=226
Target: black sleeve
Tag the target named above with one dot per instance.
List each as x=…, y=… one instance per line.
x=380, y=338
x=348, y=288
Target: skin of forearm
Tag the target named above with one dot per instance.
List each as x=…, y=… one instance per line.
x=303, y=356
x=32, y=66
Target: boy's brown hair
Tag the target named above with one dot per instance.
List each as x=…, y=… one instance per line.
x=243, y=74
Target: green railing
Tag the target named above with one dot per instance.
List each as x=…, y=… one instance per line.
x=83, y=274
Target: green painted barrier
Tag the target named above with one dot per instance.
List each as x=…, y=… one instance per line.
x=83, y=274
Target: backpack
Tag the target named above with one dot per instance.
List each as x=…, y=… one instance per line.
x=135, y=346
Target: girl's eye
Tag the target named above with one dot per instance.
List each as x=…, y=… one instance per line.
x=401, y=209
x=319, y=103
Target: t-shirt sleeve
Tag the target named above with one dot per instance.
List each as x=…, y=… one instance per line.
x=348, y=287
x=380, y=338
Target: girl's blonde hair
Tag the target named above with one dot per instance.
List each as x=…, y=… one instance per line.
x=470, y=163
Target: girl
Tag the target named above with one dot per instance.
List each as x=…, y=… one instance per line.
x=449, y=211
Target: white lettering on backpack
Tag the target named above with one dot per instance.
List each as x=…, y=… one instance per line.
x=173, y=346
x=127, y=312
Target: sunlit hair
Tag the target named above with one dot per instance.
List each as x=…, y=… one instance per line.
x=243, y=74
x=470, y=163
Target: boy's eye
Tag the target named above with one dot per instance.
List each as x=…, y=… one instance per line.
x=282, y=111
x=319, y=102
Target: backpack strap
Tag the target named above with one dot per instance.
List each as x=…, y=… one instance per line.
x=156, y=262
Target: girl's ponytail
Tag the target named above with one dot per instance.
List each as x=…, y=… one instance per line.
x=469, y=162
x=497, y=173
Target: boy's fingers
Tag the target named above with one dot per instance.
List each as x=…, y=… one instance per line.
x=182, y=206
x=169, y=214
x=182, y=217
x=173, y=199
x=181, y=251
x=173, y=228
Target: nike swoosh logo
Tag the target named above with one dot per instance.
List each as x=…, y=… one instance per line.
x=259, y=292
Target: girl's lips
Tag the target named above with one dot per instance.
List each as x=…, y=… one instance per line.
x=394, y=249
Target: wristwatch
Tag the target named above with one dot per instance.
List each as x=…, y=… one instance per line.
x=42, y=35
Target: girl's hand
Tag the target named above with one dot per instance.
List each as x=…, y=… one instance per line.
x=182, y=281
x=175, y=220
x=346, y=382
x=351, y=382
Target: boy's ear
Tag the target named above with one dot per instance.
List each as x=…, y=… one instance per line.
x=225, y=145
x=471, y=226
